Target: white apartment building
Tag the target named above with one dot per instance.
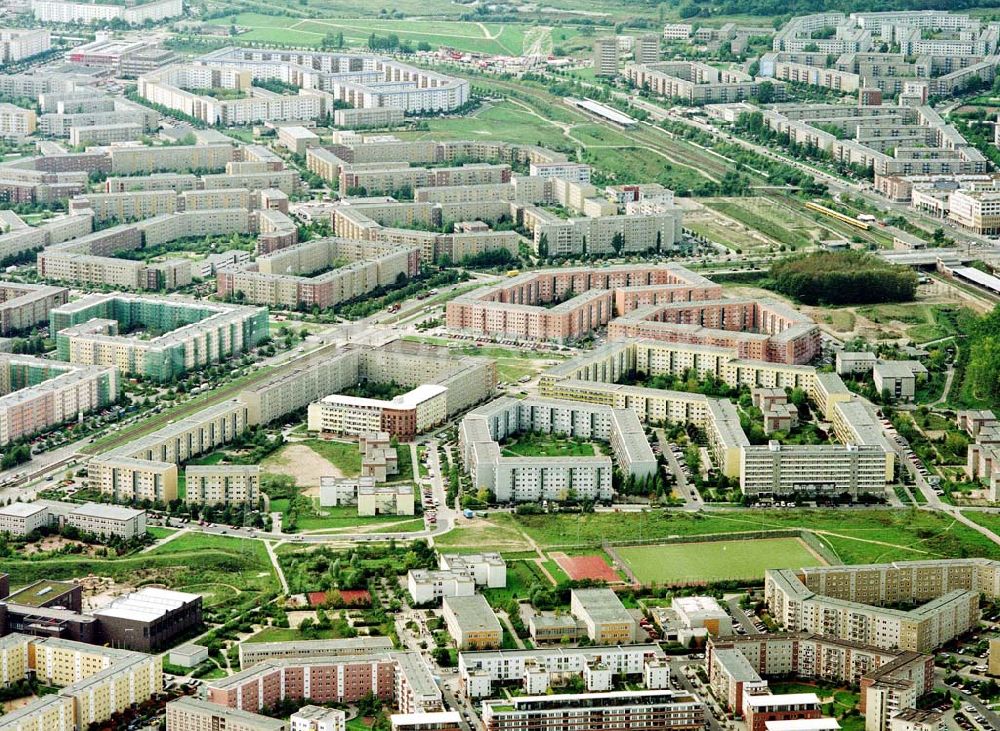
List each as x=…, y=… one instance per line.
x=774, y=469
x=17, y=44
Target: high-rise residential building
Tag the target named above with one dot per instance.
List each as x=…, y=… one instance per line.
x=647, y=48
x=606, y=56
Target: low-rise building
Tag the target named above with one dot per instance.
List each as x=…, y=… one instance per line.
x=898, y=378
x=696, y=612
x=426, y=587
x=471, y=622
x=21, y=519
x=488, y=569
x=318, y=718
x=108, y=520
x=607, y=620
x=150, y=618
x=188, y=656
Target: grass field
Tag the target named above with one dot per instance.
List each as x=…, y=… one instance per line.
x=852, y=536
x=289, y=634
x=548, y=445
x=345, y=457
x=687, y=563
x=221, y=568
x=508, y=38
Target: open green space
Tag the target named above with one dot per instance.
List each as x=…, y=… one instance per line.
x=922, y=322
x=772, y=219
x=157, y=532
x=548, y=445
x=509, y=121
x=857, y=536
x=344, y=456
x=200, y=563
x=291, y=634
x=711, y=561
x=346, y=517
x=507, y=38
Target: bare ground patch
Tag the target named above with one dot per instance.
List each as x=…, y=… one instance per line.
x=303, y=464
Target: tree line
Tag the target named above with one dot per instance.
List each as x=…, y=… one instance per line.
x=842, y=278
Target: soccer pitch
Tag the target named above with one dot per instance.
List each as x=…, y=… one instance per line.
x=709, y=561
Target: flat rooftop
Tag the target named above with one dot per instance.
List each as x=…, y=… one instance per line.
x=40, y=593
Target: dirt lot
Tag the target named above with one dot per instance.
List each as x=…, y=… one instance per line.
x=303, y=464
x=54, y=543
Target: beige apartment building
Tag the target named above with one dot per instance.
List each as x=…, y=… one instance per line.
x=16, y=122
x=193, y=714
x=223, y=484
x=848, y=602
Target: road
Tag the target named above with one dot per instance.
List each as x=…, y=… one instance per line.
x=740, y=616
x=677, y=675
x=993, y=719
x=692, y=499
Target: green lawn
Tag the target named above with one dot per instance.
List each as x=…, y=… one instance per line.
x=157, y=532
x=287, y=634
x=508, y=38
x=547, y=445
x=342, y=455
x=853, y=536
x=225, y=570
x=710, y=561
x=346, y=517
x=405, y=461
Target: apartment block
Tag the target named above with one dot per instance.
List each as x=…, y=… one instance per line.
x=517, y=308
x=252, y=653
x=146, y=469
x=400, y=678
x=641, y=710
x=846, y=602
x=404, y=416
x=16, y=122
x=694, y=82
x=222, y=484
x=17, y=44
x=38, y=394
x=94, y=683
x=484, y=674
x=66, y=11
x=520, y=479
x=192, y=714
x=194, y=333
x=319, y=273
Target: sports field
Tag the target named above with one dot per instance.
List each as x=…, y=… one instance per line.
x=586, y=567
x=700, y=563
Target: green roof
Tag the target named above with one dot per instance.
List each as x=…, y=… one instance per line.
x=40, y=593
